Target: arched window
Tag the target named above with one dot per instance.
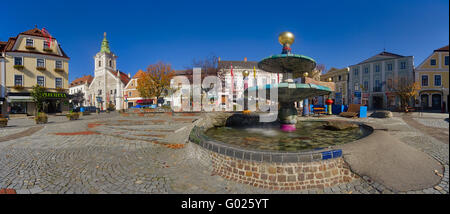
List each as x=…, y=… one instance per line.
x=110, y=63
x=99, y=63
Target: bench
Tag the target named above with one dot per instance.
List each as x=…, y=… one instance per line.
x=318, y=109
x=355, y=110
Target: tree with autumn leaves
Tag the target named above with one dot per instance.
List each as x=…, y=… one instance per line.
x=406, y=91
x=155, y=82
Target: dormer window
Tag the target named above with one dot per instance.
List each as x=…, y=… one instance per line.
x=47, y=47
x=30, y=43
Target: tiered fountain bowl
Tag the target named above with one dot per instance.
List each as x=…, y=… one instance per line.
x=292, y=66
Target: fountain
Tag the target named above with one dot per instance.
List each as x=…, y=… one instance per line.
x=292, y=66
x=282, y=155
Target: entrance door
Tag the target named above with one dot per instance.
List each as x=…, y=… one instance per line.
x=377, y=102
x=436, y=101
x=424, y=100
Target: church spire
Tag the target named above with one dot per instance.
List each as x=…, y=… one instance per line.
x=105, y=44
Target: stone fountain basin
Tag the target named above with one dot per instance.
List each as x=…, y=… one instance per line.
x=197, y=136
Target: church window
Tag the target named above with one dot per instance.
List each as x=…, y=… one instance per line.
x=110, y=63
x=99, y=63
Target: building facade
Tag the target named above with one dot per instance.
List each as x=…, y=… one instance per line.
x=256, y=77
x=374, y=81
x=432, y=74
x=33, y=58
x=340, y=78
x=107, y=86
x=132, y=95
x=81, y=85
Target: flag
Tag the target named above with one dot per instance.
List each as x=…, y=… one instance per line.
x=232, y=79
x=278, y=76
x=254, y=72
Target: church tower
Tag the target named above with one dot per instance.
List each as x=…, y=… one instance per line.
x=105, y=88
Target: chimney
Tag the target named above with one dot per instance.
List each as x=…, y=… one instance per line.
x=245, y=59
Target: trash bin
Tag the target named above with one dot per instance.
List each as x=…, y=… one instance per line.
x=82, y=109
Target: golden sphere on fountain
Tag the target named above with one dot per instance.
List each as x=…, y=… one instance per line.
x=305, y=74
x=286, y=38
x=245, y=73
x=329, y=79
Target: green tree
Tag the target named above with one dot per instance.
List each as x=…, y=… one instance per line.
x=37, y=93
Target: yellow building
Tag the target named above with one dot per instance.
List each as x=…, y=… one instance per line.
x=339, y=77
x=432, y=74
x=33, y=58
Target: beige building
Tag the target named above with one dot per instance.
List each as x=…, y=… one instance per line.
x=32, y=58
x=339, y=77
x=433, y=76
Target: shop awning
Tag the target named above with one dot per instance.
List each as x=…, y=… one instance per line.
x=144, y=101
x=17, y=99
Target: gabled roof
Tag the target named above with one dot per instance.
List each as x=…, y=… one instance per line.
x=33, y=32
x=443, y=49
x=123, y=77
x=138, y=74
x=82, y=80
x=381, y=56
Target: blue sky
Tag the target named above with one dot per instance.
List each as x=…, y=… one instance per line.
x=334, y=33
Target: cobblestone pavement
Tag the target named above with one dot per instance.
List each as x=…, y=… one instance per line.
x=108, y=153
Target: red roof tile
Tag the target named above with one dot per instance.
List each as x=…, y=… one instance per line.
x=82, y=80
x=123, y=77
x=445, y=48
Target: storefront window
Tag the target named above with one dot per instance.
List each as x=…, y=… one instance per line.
x=18, y=108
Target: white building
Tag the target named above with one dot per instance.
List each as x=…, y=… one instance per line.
x=108, y=83
x=373, y=81
x=81, y=85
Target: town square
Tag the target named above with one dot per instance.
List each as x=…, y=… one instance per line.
x=114, y=113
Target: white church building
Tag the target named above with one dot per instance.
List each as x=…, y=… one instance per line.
x=108, y=83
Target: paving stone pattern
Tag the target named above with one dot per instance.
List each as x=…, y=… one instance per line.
x=127, y=155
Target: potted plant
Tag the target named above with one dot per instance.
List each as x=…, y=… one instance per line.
x=73, y=116
x=41, y=118
x=37, y=93
x=19, y=66
x=111, y=107
x=30, y=47
x=40, y=68
x=48, y=50
x=18, y=87
x=3, y=121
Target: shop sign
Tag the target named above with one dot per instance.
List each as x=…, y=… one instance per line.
x=54, y=95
